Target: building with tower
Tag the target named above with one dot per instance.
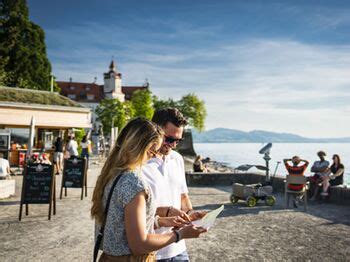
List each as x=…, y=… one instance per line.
x=112, y=87
x=91, y=94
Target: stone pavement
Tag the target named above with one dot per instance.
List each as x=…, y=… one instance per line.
x=240, y=233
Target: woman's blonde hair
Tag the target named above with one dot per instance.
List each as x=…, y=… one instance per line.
x=130, y=149
x=198, y=157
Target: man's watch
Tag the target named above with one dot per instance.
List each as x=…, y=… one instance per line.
x=189, y=211
x=177, y=236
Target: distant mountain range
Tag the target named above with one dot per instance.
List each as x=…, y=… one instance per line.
x=225, y=135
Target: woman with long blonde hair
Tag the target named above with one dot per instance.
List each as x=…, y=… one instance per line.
x=128, y=227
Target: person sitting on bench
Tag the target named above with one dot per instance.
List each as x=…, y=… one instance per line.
x=296, y=170
x=336, y=178
x=322, y=171
x=198, y=165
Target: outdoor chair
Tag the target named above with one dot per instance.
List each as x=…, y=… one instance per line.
x=293, y=179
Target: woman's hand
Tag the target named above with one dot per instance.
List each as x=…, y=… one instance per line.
x=191, y=231
x=175, y=221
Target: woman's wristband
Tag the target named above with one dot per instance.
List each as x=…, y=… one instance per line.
x=156, y=221
x=168, y=211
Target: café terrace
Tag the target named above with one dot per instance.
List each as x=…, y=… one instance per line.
x=53, y=114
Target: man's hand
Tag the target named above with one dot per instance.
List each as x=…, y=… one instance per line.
x=195, y=215
x=177, y=212
x=175, y=221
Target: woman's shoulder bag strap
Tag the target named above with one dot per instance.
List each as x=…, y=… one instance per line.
x=100, y=233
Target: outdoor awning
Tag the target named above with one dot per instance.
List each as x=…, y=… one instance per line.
x=20, y=114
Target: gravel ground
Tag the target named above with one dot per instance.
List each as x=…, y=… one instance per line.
x=240, y=233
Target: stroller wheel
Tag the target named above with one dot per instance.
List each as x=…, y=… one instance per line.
x=270, y=200
x=251, y=201
x=234, y=199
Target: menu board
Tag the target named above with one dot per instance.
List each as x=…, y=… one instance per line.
x=74, y=172
x=38, y=183
x=38, y=187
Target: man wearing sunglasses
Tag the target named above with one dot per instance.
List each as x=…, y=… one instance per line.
x=165, y=174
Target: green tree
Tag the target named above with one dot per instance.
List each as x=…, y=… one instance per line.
x=79, y=133
x=159, y=103
x=112, y=111
x=129, y=110
x=194, y=110
x=142, y=103
x=3, y=74
x=22, y=46
x=189, y=105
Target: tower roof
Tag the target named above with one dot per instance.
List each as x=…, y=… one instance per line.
x=112, y=66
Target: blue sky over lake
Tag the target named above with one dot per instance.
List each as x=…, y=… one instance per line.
x=275, y=65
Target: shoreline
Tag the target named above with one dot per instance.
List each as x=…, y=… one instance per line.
x=212, y=165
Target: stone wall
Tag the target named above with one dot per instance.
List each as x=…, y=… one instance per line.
x=185, y=147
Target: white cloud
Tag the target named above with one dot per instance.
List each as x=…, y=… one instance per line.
x=272, y=84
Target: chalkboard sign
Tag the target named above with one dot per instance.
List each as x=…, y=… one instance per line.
x=74, y=175
x=38, y=186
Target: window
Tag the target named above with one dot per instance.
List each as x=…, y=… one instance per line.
x=90, y=97
x=71, y=96
x=87, y=88
x=19, y=135
x=82, y=96
x=71, y=87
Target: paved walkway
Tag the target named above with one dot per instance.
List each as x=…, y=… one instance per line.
x=240, y=234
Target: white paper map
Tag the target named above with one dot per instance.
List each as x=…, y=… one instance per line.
x=208, y=220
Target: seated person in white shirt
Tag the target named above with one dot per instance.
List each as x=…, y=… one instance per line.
x=165, y=173
x=321, y=172
x=4, y=168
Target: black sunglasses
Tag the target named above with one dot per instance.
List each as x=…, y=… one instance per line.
x=170, y=140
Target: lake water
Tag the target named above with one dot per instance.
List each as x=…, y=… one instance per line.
x=236, y=154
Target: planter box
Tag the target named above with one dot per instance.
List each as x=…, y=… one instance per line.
x=7, y=188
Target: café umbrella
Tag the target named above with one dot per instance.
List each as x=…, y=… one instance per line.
x=31, y=137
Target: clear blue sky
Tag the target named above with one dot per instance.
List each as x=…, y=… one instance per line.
x=275, y=65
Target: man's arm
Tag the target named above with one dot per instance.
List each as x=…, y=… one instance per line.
x=171, y=212
x=315, y=168
x=8, y=170
x=306, y=163
x=286, y=164
x=186, y=204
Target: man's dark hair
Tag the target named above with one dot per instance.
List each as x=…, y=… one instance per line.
x=162, y=116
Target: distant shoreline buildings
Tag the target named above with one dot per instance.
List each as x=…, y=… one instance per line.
x=91, y=94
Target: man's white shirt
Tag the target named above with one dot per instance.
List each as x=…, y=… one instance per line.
x=167, y=181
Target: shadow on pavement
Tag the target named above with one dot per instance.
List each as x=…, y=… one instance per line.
x=333, y=213
x=9, y=203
